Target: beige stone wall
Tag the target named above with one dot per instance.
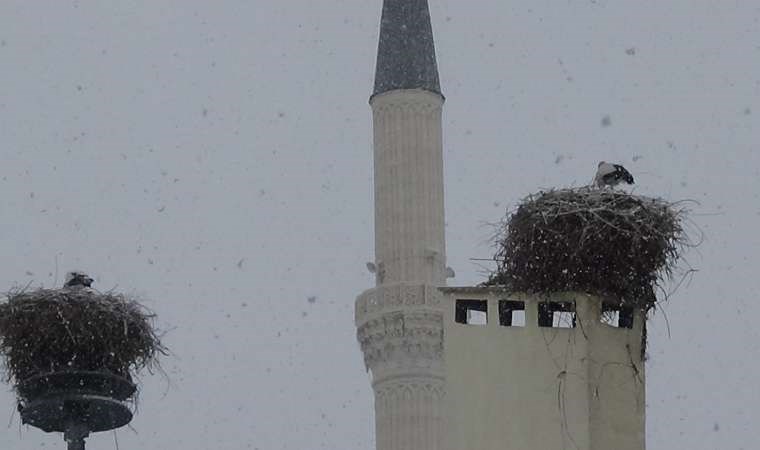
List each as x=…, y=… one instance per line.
x=616, y=387
x=511, y=388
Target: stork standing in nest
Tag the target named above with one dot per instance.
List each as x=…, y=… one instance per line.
x=611, y=175
x=77, y=280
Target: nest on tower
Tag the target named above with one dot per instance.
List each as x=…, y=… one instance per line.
x=601, y=241
x=76, y=329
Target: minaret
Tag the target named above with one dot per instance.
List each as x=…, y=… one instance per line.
x=406, y=106
x=400, y=322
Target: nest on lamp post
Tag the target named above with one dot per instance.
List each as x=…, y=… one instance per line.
x=50, y=330
x=602, y=241
x=72, y=353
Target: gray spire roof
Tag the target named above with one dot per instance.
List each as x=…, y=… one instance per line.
x=406, y=52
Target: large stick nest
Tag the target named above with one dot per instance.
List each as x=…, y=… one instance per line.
x=601, y=241
x=49, y=330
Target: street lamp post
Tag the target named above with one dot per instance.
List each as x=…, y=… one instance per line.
x=76, y=403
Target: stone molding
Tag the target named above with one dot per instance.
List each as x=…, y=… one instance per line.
x=409, y=107
x=409, y=387
x=410, y=100
x=395, y=297
x=400, y=331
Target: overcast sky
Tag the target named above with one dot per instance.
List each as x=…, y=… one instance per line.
x=214, y=158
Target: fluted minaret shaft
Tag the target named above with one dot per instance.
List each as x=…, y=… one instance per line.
x=409, y=216
x=400, y=322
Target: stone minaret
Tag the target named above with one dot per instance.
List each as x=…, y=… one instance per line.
x=406, y=106
x=400, y=322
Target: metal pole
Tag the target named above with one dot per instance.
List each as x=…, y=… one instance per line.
x=76, y=444
x=74, y=436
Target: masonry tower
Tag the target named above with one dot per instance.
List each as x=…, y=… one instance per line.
x=474, y=368
x=401, y=329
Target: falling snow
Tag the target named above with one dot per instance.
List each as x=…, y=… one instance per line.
x=243, y=118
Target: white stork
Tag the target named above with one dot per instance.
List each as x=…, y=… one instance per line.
x=611, y=175
x=77, y=279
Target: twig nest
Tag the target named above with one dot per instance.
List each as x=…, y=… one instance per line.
x=602, y=241
x=52, y=330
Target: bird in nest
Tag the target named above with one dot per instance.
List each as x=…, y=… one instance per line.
x=608, y=174
x=77, y=280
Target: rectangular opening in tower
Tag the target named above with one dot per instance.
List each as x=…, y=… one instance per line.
x=471, y=312
x=556, y=314
x=511, y=313
x=617, y=315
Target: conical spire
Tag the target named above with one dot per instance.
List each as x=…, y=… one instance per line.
x=406, y=52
